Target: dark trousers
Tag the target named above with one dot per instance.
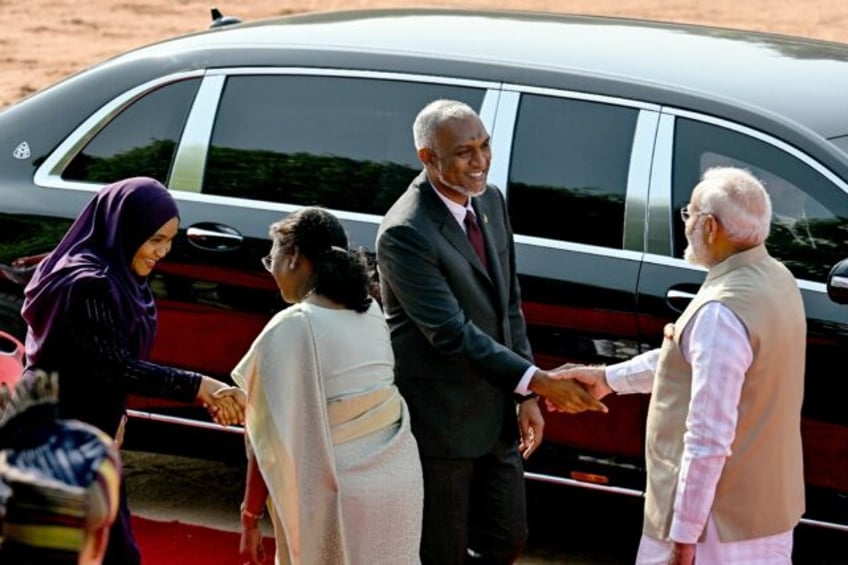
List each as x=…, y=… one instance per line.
x=474, y=504
x=122, y=548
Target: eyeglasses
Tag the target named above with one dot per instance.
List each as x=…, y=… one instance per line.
x=686, y=213
x=267, y=262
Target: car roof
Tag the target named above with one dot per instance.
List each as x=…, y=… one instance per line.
x=803, y=80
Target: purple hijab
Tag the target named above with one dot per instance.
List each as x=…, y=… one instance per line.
x=101, y=244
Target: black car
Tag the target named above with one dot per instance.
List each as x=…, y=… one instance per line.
x=600, y=129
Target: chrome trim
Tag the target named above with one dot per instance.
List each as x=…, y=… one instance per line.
x=502, y=135
x=839, y=282
x=638, y=180
x=679, y=294
x=489, y=108
x=659, y=194
x=195, y=232
x=580, y=484
x=666, y=261
x=561, y=93
x=822, y=524
x=382, y=75
x=49, y=173
x=190, y=159
x=578, y=247
x=634, y=492
x=189, y=422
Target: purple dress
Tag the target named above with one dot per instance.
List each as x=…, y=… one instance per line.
x=93, y=320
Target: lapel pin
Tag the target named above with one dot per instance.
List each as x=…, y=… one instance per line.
x=485, y=219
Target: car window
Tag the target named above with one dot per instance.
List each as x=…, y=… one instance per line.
x=139, y=141
x=809, y=211
x=568, y=173
x=338, y=142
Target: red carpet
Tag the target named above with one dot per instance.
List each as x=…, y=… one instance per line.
x=175, y=543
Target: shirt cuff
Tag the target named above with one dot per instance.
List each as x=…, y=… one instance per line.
x=634, y=375
x=685, y=532
x=521, y=389
x=617, y=377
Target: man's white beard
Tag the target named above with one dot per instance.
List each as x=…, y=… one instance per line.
x=457, y=188
x=696, y=250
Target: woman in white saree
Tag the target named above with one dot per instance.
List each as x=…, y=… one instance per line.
x=330, y=451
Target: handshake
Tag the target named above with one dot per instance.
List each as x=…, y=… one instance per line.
x=572, y=388
x=225, y=404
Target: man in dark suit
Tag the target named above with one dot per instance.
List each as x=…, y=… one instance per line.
x=463, y=360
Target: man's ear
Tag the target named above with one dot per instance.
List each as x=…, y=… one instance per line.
x=426, y=156
x=293, y=257
x=711, y=228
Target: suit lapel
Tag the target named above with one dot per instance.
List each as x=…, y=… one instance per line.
x=450, y=229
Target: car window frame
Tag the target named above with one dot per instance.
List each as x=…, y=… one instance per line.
x=189, y=165
x=49, y=173
x=638, y=173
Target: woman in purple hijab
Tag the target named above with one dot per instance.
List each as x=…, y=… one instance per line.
x=92, y=319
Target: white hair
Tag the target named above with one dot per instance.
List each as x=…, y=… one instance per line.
x=738, y=201
x=433, y=115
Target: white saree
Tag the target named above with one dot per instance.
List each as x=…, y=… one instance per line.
x=332, y=438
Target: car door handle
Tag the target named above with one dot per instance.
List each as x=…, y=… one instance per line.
x=214, y=237
x=839, y=282
x=678, y=299
x=679, y=295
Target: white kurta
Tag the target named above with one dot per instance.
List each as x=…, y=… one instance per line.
x=359, y=502
x=711, y=426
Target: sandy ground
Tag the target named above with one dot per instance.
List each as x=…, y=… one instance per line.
x=43, y=41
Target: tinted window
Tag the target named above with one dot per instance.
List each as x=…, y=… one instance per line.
x=342, y=143
x=808, y=225
x=568, y=176
x=140, y=141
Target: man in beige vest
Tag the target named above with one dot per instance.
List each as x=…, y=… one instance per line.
x=723, y=447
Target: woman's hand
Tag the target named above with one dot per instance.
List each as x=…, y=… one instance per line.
x=230, y=403
x=226, y=404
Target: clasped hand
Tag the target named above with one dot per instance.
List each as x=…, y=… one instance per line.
x=225, y=404
x=571, y=388
x=591, y=380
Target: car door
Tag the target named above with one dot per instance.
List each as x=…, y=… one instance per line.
x=260, y=144
x=576, y=186
x=810, y=207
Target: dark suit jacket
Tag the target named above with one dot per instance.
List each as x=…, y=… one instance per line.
x=458, y=333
